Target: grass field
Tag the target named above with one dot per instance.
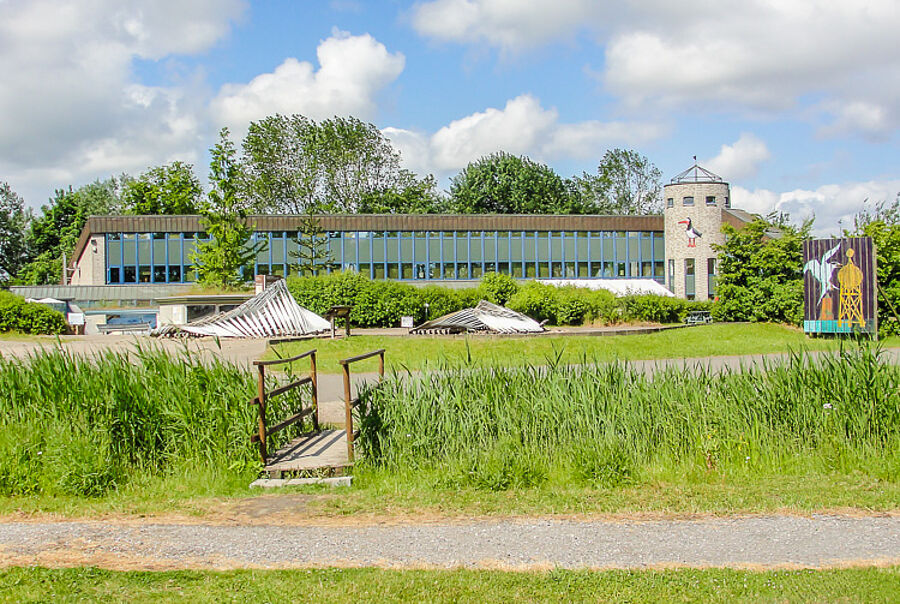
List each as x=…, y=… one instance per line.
x=171, y=437
x=420, y=352
x=374, y=585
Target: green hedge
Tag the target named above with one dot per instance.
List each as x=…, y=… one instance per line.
x=27, y=317
x=382, y=303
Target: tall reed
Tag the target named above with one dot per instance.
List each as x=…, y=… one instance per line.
x=611, y=423
x=82, y=426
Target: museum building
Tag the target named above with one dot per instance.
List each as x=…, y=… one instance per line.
x=675, y=249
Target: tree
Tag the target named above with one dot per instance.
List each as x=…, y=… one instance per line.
x=56, y=231
x=761, y=272
x=168, y=189
x=281, y=165
x=13, y=222
x=626, y=183
x=501, y=183
x=297, y=166
x=218, y=262
x=313, y=251
x=883, y=226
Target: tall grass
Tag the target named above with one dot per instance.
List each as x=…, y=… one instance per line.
x=72, y=425
x=611, y=424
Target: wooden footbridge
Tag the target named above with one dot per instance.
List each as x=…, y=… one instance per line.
x=319, y=452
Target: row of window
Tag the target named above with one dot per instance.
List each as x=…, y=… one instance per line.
x=690, y=283
x=166, y=257
x=689, y=201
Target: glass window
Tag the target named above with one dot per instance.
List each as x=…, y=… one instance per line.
x=365, y=254
x=620, y=269
x=477, y=271
x=406, y=249
x=159, y=274
x=689, y=278
x=144, y=274
x=711, y=277
x=570, y=247
x=114, y=251
x=687, y=201
x=129, y=274
x=670, y=202
x=406, y=270
x=462, y=271
x=393, y=271
x=174, y=247
x=278, y=255
x=115, y=275
x=144, y=249
x=727, y=202
x=174, y=274
x=710, y=200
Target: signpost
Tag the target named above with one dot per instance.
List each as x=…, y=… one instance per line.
x=839, y=286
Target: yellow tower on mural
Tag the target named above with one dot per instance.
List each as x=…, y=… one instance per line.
x=850, y=307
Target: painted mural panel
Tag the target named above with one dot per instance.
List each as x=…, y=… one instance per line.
x=839, y=286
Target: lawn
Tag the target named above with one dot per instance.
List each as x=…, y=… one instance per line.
x=420, y=352
x=37, y=584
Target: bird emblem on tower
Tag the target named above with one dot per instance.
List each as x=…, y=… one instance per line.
x=691, y=232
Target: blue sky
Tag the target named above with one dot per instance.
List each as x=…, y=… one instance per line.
x=796, y=104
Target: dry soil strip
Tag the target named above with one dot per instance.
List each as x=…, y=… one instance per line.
x=757, y=542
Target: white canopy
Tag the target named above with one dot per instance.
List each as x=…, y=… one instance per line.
x=274, y=312
x=484, y=317
x=618, y=287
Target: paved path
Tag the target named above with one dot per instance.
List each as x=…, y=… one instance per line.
x=817, y=541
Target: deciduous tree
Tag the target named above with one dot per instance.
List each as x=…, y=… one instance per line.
x=168, y=189
x=761, y=272
x=501, y=183
x=882, y=224
x=13, y=222
x=294, y=165
x=55, y=232
x=626, y=183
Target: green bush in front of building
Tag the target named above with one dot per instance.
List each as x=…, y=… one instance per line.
x=27, y=317
x=382, y=303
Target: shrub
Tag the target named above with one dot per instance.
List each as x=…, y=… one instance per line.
x=536, y=300
x=27, y=317
x=498, y=288
x=653, y=309
x=382, y=303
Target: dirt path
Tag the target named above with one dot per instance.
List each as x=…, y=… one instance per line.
x=755, y=542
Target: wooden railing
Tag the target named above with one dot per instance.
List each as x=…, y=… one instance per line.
x=262, y=399
x=351, y=403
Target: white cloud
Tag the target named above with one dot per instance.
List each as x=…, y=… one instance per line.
x=521, y=127
x=353, y=70
x=870, y=119
x=71, y=105
x=756, y=56
x=832, y=205
x=740, y=160
x=510, y=24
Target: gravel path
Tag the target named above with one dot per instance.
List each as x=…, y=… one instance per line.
x=738, y=542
